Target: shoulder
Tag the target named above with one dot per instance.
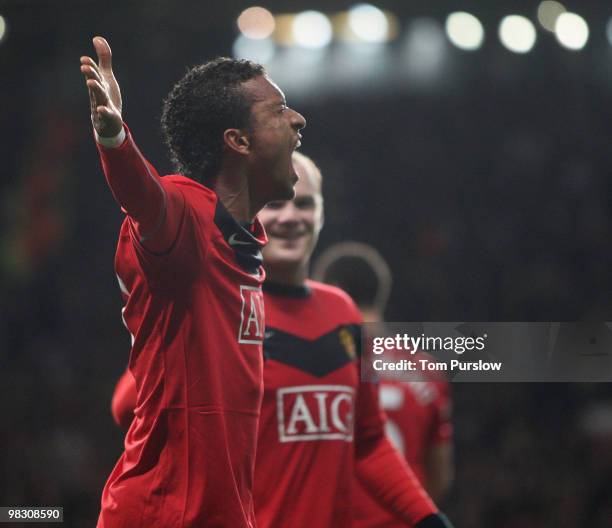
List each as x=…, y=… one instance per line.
x=197, y=196
x=335, y=298
x=188, y=186
x=330, y=293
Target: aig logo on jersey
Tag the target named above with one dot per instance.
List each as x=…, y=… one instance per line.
x=251, y=316
x=315, y=412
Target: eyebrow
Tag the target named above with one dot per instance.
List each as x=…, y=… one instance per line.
x=279, y=102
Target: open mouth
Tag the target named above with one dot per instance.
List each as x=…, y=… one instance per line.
x=298, y=144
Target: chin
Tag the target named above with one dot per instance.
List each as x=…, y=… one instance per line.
x=283, y=257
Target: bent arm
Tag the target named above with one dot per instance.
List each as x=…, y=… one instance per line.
x=389, y=479
x=383, y=471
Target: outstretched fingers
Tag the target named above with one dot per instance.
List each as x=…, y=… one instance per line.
x=92, y=102
x=88, y=62
x=104, y=53
x=103, y=90
x=99, y=93
x=91, y=73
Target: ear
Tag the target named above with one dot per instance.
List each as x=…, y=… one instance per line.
x=237, y=140
x=322, y=217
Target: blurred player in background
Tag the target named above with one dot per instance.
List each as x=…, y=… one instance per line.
x=319, y=425
x=418, y=412
x=189, y=267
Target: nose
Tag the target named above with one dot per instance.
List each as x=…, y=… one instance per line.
x=299, y=121
x=287, y=214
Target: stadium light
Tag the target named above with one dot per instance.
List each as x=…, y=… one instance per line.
x=572, y=31
x=283, y=32
x=256, y=23
x=258, y=50
x=464, y=30
x=425, y=48
x=548, y=12
x=517, y=33
x=609, y=31
x=2, y=27
x=368, y=23
x=312, y=29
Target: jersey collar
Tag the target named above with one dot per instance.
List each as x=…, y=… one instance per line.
x=286, y=290
x=246, y=242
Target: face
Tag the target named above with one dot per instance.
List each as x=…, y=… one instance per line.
x=293, y=226
x=274, y=135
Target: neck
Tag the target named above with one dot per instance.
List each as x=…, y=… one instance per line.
x=232, y=188
x=288, y=276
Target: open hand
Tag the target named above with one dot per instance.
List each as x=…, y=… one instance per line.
x=104, y=93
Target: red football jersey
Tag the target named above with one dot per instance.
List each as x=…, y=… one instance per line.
x=418, y=417
x=124, y=400
x=315, y=412
x=196, y=318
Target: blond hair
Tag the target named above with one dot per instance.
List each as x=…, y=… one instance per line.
x=311, y=168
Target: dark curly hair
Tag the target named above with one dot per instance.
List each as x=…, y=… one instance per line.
x=200, y=107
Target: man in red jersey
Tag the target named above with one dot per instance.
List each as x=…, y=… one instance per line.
x=189, y=267
x=418, y=412
x=319, y=425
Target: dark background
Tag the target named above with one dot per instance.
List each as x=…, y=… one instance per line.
x=487, y=189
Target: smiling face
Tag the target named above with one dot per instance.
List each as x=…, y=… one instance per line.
x=273, y=136
x=293, y=226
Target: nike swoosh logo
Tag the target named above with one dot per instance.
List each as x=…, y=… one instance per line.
x=233, y=241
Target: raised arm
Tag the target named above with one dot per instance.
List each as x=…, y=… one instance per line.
x=154, y=209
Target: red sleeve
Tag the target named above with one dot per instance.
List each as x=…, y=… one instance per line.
x=124, y=400
x=381, y=469
x=137, y=188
